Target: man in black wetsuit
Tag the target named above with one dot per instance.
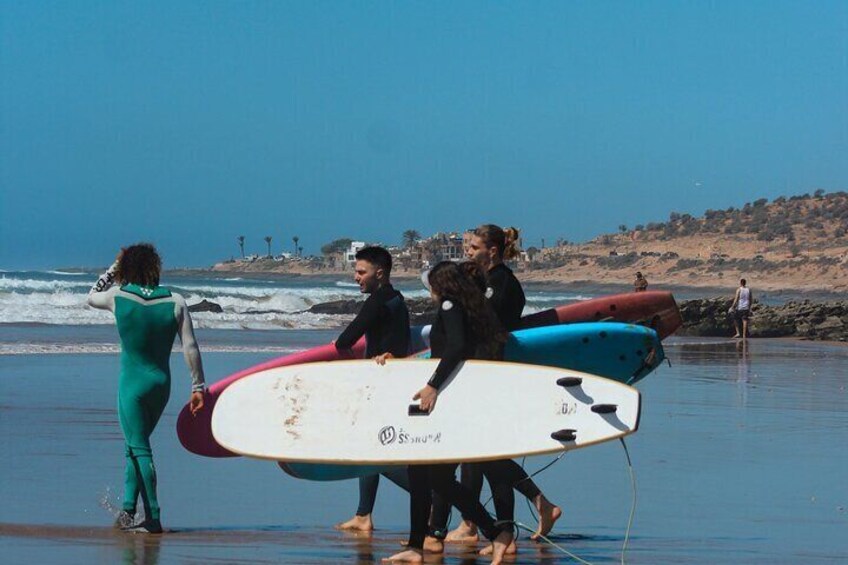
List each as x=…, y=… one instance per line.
x=384, y=321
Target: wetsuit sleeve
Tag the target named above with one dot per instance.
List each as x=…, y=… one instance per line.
x=191, y=351
x=452, y=356
x=102, y=294
x=369, y=314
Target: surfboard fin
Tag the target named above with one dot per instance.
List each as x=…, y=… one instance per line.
x=569, y=381
x=564, y=435
x=604, y=408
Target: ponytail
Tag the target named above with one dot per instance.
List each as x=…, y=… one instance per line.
x=506, y=241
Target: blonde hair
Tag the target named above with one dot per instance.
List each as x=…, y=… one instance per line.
x=504, y=240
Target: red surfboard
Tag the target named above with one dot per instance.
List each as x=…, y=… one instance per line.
x=654, y=309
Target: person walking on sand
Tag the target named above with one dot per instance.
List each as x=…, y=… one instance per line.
x=488, y=247
x=149, y=317
x=465, y=328
x=384, y=321
x=740, y=309
x=641, y=283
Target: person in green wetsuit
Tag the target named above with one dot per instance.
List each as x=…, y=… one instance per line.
x=149, y=317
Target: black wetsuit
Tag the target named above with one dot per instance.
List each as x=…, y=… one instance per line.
x=506, y=296
x=507, y=299
x=451, y=341
x=384, y=321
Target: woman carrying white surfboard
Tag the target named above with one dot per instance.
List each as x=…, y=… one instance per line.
x=148, y=317
x=465, y=328
x=489, y=246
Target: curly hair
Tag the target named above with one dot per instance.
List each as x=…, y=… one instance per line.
x=451, y=281
x=504, y=240
x=140, y=264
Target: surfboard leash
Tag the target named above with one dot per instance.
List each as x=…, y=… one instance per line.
x=629, y=519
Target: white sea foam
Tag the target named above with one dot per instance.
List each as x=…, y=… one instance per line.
x=112, y=348
x=25, y=298
x=30, y=300
x=65, y=273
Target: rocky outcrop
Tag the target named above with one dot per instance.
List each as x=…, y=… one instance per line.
x=421, y=310
x=205, y=306
x=804, y=319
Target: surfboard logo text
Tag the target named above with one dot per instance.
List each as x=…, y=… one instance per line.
x=568, y=408
x=387, y=435
x=404, y=437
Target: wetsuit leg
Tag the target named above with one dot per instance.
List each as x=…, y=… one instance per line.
x=367, y=494
x=139, y=414
x=399, y=476
x=440, y=516
x=498, y=473
x=420, y=498
x=443, y=481
x=519, y=479
x=471, y=477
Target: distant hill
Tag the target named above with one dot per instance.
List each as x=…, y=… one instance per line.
x=795, y=242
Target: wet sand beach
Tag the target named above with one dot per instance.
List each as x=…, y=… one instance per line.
x=740, y=457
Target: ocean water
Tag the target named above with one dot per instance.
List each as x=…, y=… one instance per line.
x=741, y=455
x=58, y=298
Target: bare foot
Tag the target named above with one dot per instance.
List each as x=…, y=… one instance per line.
x=407, y=556
x=548, y=515
x=431, y=545
x=466, y=532
x=511, y=549
x=357, y=523
x=500, y=545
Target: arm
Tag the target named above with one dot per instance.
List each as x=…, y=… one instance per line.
x=191, y=351
x=735, y=302
x=102, y=294
x=369, y=314
x=453, y=355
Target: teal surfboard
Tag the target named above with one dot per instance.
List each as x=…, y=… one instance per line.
x=623, y=352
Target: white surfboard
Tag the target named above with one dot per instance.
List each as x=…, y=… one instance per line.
x=357, y=412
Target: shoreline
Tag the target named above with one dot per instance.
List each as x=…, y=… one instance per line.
x=543, y=282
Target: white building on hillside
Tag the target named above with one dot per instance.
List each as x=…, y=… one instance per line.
x=350, y=254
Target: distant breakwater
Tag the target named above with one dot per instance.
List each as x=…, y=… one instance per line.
x=703, y=317
x=821, y=321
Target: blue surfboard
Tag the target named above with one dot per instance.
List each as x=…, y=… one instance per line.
x=623, y=352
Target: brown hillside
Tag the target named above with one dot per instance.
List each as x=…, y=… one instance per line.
x=798, y=242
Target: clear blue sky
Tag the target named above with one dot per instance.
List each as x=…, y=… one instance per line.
x=190, y=123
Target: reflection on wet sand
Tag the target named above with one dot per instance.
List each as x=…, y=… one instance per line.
x=256, y=545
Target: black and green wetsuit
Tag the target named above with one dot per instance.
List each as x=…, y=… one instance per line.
x=148, y=319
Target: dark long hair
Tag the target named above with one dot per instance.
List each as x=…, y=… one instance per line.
x=140, y=264
x=451, y=281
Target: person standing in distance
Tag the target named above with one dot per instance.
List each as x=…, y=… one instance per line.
x=740, y=309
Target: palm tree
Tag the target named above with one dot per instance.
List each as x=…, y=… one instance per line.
x=410, y=237
x=268, y=241
x=241, y=244
x=295, y=239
